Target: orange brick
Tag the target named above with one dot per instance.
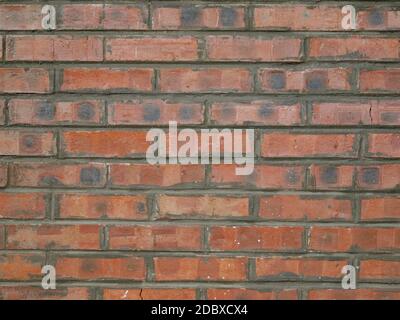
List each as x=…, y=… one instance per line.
x=257, y=238
x=57, y=237
x=22, y=205
x=202, y=206
x=195, y=268
x=100, y=268
x=96, y=206
x=308, y=208
x=178, y=238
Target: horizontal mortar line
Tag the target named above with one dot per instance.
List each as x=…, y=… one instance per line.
x=200, y=189
x=115, y=160
x=194, y=94
x=236, y=63
x=266, y=32
x=260, y=284
x=199, y=97
x=298, y=65
x=224, y=2
x=205, y=222
x=199, y=192
x=385, y=256
x=292, y=128
x=206, y=95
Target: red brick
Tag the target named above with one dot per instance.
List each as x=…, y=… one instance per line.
x=308, y=80
x=80, y=16
x=303, y=268
x=322, y=18
x=380, y=208
x=384, y=145
x=106, y=79
x=22, y=205
x=3, y=175
x=378, y=18
x=154, y=111
x=37, y=293
x=255, y=112
x=104, y=143
x=304, y=207
x=27, y=266
x=152, y=49
x=198, y=17
x=379, y=270
x=205, y=80
x=332, y=177
x=309, y=145
x=58, y=175
x=54, y=48
x=373, y=112
x=45, y=112
x=236, y=48
x=100, y=268
x=56, y=237
x=24, y=80
x=24, y=143
x=20, y=17
x=356, y=239
x=198, y=268
x=263, y=177
x=298, y=17
x=257, y=238
x=202, y=206
x=128, y=175
x=251, y=294
x=384, y=80
x=357, y=294
x=149, y=294
x=127, y=17
x=178, y=238
x=96, y=206
x=354, y=48
x=378, y=177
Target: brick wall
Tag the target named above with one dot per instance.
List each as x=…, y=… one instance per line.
x=77, y=193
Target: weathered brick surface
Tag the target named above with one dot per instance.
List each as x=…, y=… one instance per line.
x=76, y=189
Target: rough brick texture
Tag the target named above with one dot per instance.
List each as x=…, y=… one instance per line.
x=76, y=191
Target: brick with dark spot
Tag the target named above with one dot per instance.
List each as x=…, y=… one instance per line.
x=151, y=113
x=316, y=81
x=266, y=111
x=90, y=176
x=46, y=111
x=228, y=16
x=189, y=16
x=329, y=175
x=186, y=112
x=376, y=18
x=370, y=175
x=277, y=80
x=292, y=176
x=86, y=111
